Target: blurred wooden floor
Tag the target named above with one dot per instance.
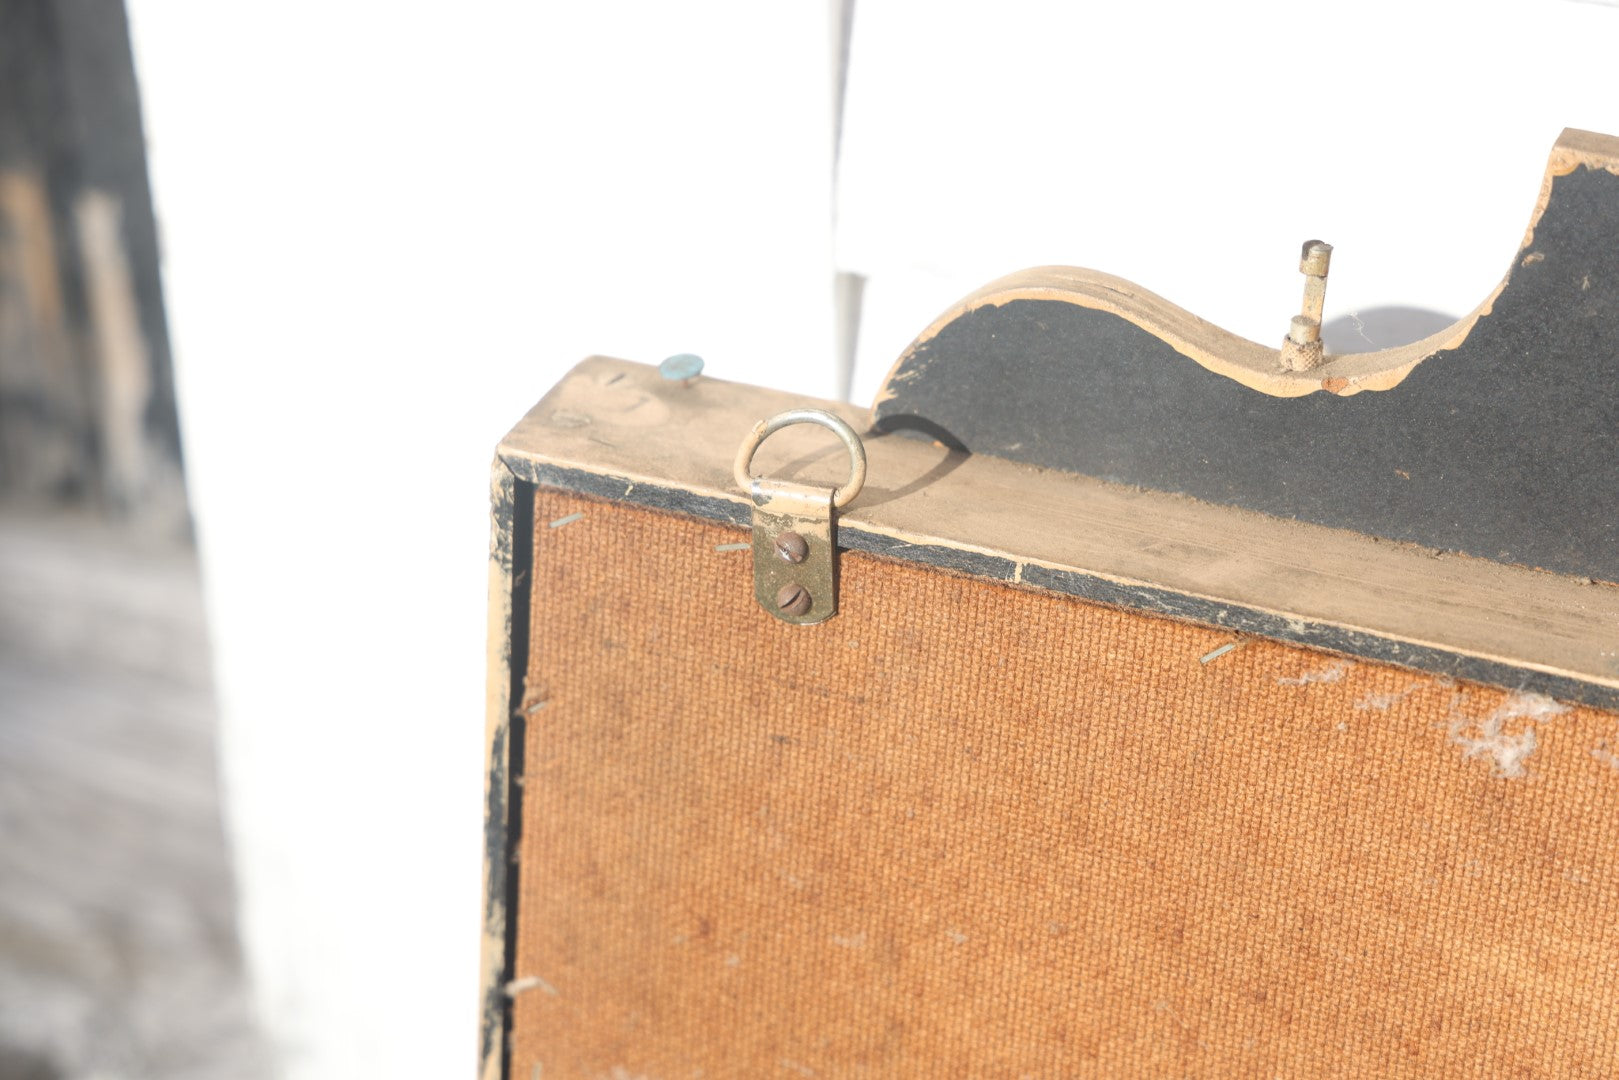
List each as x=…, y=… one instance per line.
x=118, y=948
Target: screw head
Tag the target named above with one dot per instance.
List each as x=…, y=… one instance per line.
x=793, y=600
x=792, y=547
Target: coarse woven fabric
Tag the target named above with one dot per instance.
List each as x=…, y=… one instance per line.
x=970, y=830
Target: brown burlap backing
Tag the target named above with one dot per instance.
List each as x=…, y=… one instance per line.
x=968, y=830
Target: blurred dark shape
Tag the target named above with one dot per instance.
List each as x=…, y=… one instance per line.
x=87, y=404
x=119, y=954
x=118, y=946
x=23, y=1065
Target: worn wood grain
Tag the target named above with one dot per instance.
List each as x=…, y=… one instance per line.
x=617, y=430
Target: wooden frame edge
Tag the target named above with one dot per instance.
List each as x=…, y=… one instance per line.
x=508, y=620
x=1351, y=642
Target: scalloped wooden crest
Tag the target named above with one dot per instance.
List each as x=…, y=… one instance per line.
x=1493, y=437
x=1255, y=366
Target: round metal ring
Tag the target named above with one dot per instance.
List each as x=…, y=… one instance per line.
x=842, y=496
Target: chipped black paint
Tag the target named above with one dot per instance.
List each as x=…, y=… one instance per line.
x=512, y=551
x=494, y=1013
x=1134, y=597
x=1502, y=448
x=976, y=564
x=622, y=489
x=1317, y=635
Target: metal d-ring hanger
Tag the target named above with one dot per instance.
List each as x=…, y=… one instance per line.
x=842, y=496
x=795, y=545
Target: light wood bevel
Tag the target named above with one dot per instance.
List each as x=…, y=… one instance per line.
x=618, y=431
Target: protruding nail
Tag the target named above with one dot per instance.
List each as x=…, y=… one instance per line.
x=681, y=368
x=1301, y=349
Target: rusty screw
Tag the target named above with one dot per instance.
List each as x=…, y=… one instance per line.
x=792, y=547
x=793, y=600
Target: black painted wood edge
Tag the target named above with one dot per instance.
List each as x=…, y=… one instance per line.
x=511, y=552
x=1150, y=599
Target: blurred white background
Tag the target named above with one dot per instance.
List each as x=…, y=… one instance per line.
x=388, y=228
